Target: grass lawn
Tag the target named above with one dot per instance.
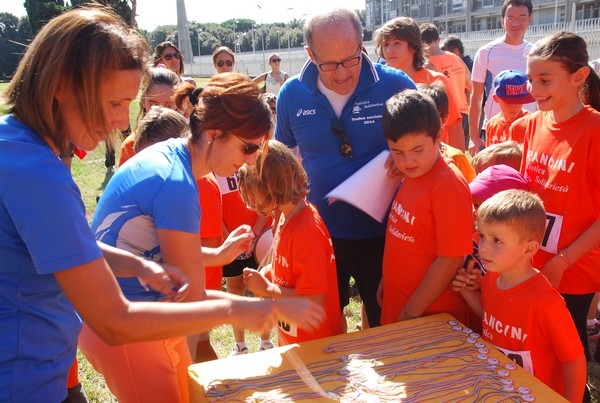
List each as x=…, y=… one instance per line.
x=90, y=175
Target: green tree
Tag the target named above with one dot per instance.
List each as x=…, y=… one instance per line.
x=40, y=12
x=125, y=8
x=15, y=35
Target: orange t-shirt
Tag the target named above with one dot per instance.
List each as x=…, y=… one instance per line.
x=211, y=223
x=457, y=73
x=235, y=212
x=459, y=159
x=531, y=325
x=303, y=259
x=425, y=76
x=518, y=128
x=431, y=216
x=127, y=149
x=497, y=130
x=560, y=161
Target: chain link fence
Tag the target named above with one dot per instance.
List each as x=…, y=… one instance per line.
x=254, y=63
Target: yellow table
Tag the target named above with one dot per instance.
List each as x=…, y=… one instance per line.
x=427, y=359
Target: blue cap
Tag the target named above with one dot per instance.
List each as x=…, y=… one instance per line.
x=511, y=87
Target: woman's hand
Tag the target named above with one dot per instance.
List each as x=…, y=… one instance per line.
x=261, y=315
x=167, y=280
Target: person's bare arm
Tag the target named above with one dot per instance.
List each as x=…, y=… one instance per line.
x=169, y=281
x=476, y=142
x=436, y=280
x=574, y=378
x=218, y=253
x=95, y=294
x=456, y=135
x=555, y=268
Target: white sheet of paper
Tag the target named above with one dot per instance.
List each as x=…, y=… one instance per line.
x=369, y=189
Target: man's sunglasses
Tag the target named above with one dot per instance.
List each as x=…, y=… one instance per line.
x=337, y=127
x=275, y=60
x=169, y=56
x=220, y=63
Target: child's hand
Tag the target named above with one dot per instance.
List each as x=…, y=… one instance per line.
x=460, y=280
x=467, y=278
x=238, y=241
x=256, y=283
x=392, y=169
x=554, y=270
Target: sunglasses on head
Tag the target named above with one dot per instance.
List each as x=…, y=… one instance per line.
x=249, y=148
x=220, y=63
x=169, y=56
x=274, y=60
x=345, y=149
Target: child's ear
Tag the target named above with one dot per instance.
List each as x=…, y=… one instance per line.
x=531, y=248
x=495, y=97
x=581, y=75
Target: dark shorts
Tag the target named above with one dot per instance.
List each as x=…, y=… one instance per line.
x=360, y=259
x=236, y=268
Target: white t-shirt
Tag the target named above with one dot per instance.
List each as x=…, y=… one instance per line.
x=336, y=100
x=272, y=84
x=495, y=57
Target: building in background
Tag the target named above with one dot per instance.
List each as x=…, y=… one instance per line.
x=463, y=16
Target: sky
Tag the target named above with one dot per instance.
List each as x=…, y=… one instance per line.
x=152, y=13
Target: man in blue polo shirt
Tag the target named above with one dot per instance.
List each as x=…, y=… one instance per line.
x=332, y=113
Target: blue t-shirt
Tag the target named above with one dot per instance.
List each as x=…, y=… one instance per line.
x=155, y=189
x=304, y=119
x=43, y=230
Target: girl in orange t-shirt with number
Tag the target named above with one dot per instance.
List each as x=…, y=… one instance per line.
x=303, y=262
x=560, y=161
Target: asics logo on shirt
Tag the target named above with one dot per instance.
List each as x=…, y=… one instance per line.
x=306, y=112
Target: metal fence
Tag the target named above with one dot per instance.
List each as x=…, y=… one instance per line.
x=254, y=63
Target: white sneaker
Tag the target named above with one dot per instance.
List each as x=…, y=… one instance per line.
x=265, y=346
x=235, y=350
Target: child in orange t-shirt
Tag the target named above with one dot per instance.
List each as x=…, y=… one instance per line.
x=510, y=93
x=523, y=315
x=303, y=262
x=560, y=161
x=429, y=225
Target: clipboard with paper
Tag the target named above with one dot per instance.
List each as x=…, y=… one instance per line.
x=369, y=189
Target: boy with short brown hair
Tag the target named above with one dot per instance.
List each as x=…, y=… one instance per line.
x=523, y=315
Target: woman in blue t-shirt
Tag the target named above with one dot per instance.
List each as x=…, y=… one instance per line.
x=74, y=85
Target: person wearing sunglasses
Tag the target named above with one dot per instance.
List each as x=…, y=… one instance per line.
x=150, y=208
x=332, y=112
x=54, y=272
x=274, y=79
x=223, y=59
x=168, y=54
